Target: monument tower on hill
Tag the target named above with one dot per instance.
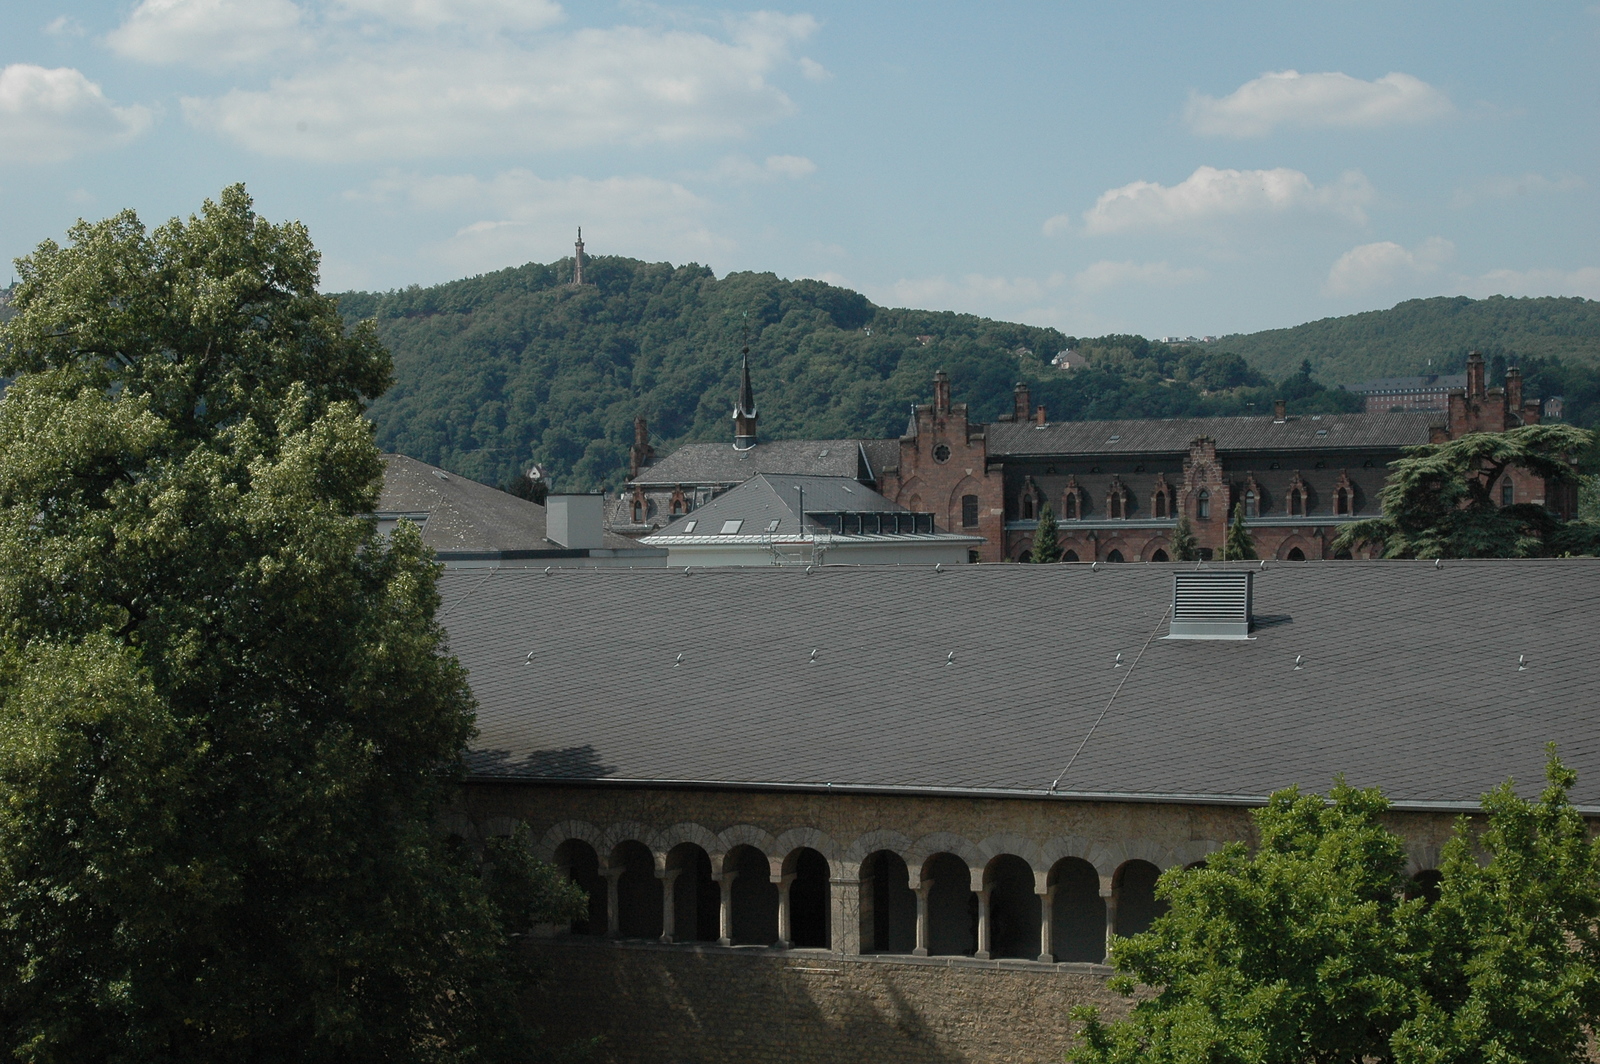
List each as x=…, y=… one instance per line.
x=577, y=260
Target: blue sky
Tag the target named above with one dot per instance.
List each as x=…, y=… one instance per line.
x=1158, y=168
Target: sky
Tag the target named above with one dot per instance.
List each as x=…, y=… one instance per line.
x=1160, y=168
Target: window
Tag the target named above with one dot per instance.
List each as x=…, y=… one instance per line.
x=1114, y=556
x=1027, y=506
x=1115, y=504
x=731, y=528
x=969, y=511
x=677, y=506
x=1161, y=504
x=1069, y=506
x=1159, y=556
x=772, y=525
x=1202, y=505
x=1297, y=502
x=1069, y=556
x=688, y=527
x=1296, y=554
x=1341, y=502
x=941, y=453
x=1252, y=506
x=638, y=513
x=1508, y=492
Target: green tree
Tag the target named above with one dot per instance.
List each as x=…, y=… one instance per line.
x=1185, y=548
x=227, y=723
x=1440, y=501
x=1238, y=546
x=1317, y=948
x=1046, y=544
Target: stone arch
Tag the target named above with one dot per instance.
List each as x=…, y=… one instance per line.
x=1421, y=856
x=680, y=833
x=946, y=883
x=1193, y=851
x=750, y=895
x=806, y=879
x=1077, y=910
x=996, y=845
x=879, y=839
x=1014, y=910
x=911, y=489
x=888, y=904
x=821, y=841
x=1126, y=850
x=1153, y=546
x=1102, y=859
x=628, y=830
x=1133, y=891
x=941, y=842
x=969, y=485
x=579, y=862
x=696, y=896
x=748, y=835
x=569, y=829
x=1304, y=545
x=1426, y=885
x=635, y=889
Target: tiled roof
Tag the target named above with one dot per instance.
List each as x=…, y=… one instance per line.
x=463, y=515
x=1432, y=381
x=1329, y=432
x=762, y=499
x=719, y=463
x=1410, y=678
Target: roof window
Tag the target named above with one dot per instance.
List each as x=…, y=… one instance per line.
x=772, y=525
x=688, y=526
x=731, y=528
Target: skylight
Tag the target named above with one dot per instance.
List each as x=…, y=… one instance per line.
x=689, y=527
x=730, y=528
x=772, y=525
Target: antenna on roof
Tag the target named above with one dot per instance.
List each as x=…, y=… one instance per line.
x=1299, y=662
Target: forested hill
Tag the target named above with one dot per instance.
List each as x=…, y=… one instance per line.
x=1400, y=341
x=499, y=371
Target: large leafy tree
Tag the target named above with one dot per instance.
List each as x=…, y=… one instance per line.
x=1439, y=500
x=227, y=721
x=1316, y=947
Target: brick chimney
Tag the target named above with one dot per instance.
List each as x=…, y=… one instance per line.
x=1475, y=384
x=1023, y=404
x=941, y=392
x=1280, y=410
x=1513, y=391
x=640, y=454
x=1039, y=414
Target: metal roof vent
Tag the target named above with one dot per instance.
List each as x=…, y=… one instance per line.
x=1211, y=604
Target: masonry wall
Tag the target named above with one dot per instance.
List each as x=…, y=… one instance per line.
x=704, y=1005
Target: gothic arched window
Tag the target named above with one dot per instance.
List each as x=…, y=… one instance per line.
x=1114, y=504
x=1297, y=502
x=1341, y=502
x=1252, y=505
x=1160, y=506
x=1069, y=506
x=1202, y=505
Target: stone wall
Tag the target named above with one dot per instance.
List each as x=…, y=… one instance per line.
x=706, y=1005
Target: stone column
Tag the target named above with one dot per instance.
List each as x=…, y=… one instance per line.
x=867, y=924
x=613, y=916
x=785, y=932
x=1110, y=896
x=844, y=906
x=1047, y=905
x=922, y=917
x=725, y=910
x=669, y=907
x=983, y=924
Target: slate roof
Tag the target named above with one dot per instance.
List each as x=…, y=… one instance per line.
x=1329, y=432
x=1410, y=679
x=762, y=499
x=719, y=463
x=1429, y=382
x=463, y=515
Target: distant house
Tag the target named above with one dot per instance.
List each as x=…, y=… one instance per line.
x=1428, y=392
x=471, y=525
x=805, y=520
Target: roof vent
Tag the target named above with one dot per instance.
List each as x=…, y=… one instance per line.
x=1211, y=604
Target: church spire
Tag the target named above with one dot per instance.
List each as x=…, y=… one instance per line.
x=577, y=259
x=744, y=410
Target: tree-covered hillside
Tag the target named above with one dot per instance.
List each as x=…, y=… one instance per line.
x=1401, y=340
x=499, y=371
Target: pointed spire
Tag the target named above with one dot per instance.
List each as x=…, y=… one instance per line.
x=747, y=395
x=744, y=409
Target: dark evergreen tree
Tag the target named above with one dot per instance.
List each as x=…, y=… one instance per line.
x=1185, y=548
x=1046, y=541
x=1238, y=546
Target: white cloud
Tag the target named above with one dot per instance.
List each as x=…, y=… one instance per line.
x=1106, y=275
x=1314, y=101
x=64, y=26
x=739, y=169
x=1505, y=186
x=517, y=216
x=1583, y=282
x=813, y=70
x=478, y=15
x=1385, y=264
x=210, y=34
x=1210, y=195
x=47, y=115
x=1056, y=225
x=431, y=95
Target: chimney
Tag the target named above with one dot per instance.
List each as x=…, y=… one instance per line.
x=640, y=454
x=1513, y=391
x=1023, y=408
x=941, y=392
x=1280, y=410
x=1039, y=414
x=1475, y=388
x=575, y=521
x=1211, y=604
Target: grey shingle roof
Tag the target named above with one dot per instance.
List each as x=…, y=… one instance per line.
x=762, y=499
x=463, y=515
x=1410, y=679
x=719, y=463
x=1149, y=436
